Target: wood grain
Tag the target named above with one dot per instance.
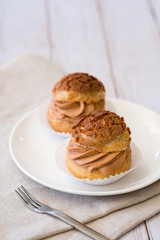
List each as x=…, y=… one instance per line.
x=154, y=8
x=135, y=50
x=138, y=233
x=48, y=28
x=23, y=28
x=153, y=226
x=108, y=53
x=78, y=39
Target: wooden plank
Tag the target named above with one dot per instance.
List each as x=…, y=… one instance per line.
x=78, y=40
x=154, y=7
x=135, y=50
x=153, y=226
x=22, y=28
x=138, y=233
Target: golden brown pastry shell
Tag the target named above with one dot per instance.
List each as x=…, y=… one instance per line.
x=79, y=87
x=104, y=131
x=79, y=82
x=74, y=96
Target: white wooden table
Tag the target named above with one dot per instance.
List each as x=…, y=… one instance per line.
x=117, y=41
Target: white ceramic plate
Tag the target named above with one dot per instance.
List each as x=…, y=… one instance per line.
x=33, y=150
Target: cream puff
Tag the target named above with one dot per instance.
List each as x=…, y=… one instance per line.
x=99, y=147
x=74, y=95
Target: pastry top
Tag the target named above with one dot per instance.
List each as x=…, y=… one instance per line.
x=79, y=82
x=102, y=130
x=79, y=87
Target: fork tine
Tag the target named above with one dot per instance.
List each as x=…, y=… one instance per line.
x=21, y=196
x=30, y=196
x=26, y=198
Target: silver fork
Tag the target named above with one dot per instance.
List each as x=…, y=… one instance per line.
x=36, y=206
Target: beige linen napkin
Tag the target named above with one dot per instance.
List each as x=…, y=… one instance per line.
x=24, y=83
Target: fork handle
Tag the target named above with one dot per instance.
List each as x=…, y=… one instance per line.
x=79, y=226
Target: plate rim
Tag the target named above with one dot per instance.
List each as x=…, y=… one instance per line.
x=79, y=192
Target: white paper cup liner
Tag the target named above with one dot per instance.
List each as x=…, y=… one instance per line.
x=43, y=118
x=61, y=164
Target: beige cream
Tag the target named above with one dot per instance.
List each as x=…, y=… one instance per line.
x=105, y=163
